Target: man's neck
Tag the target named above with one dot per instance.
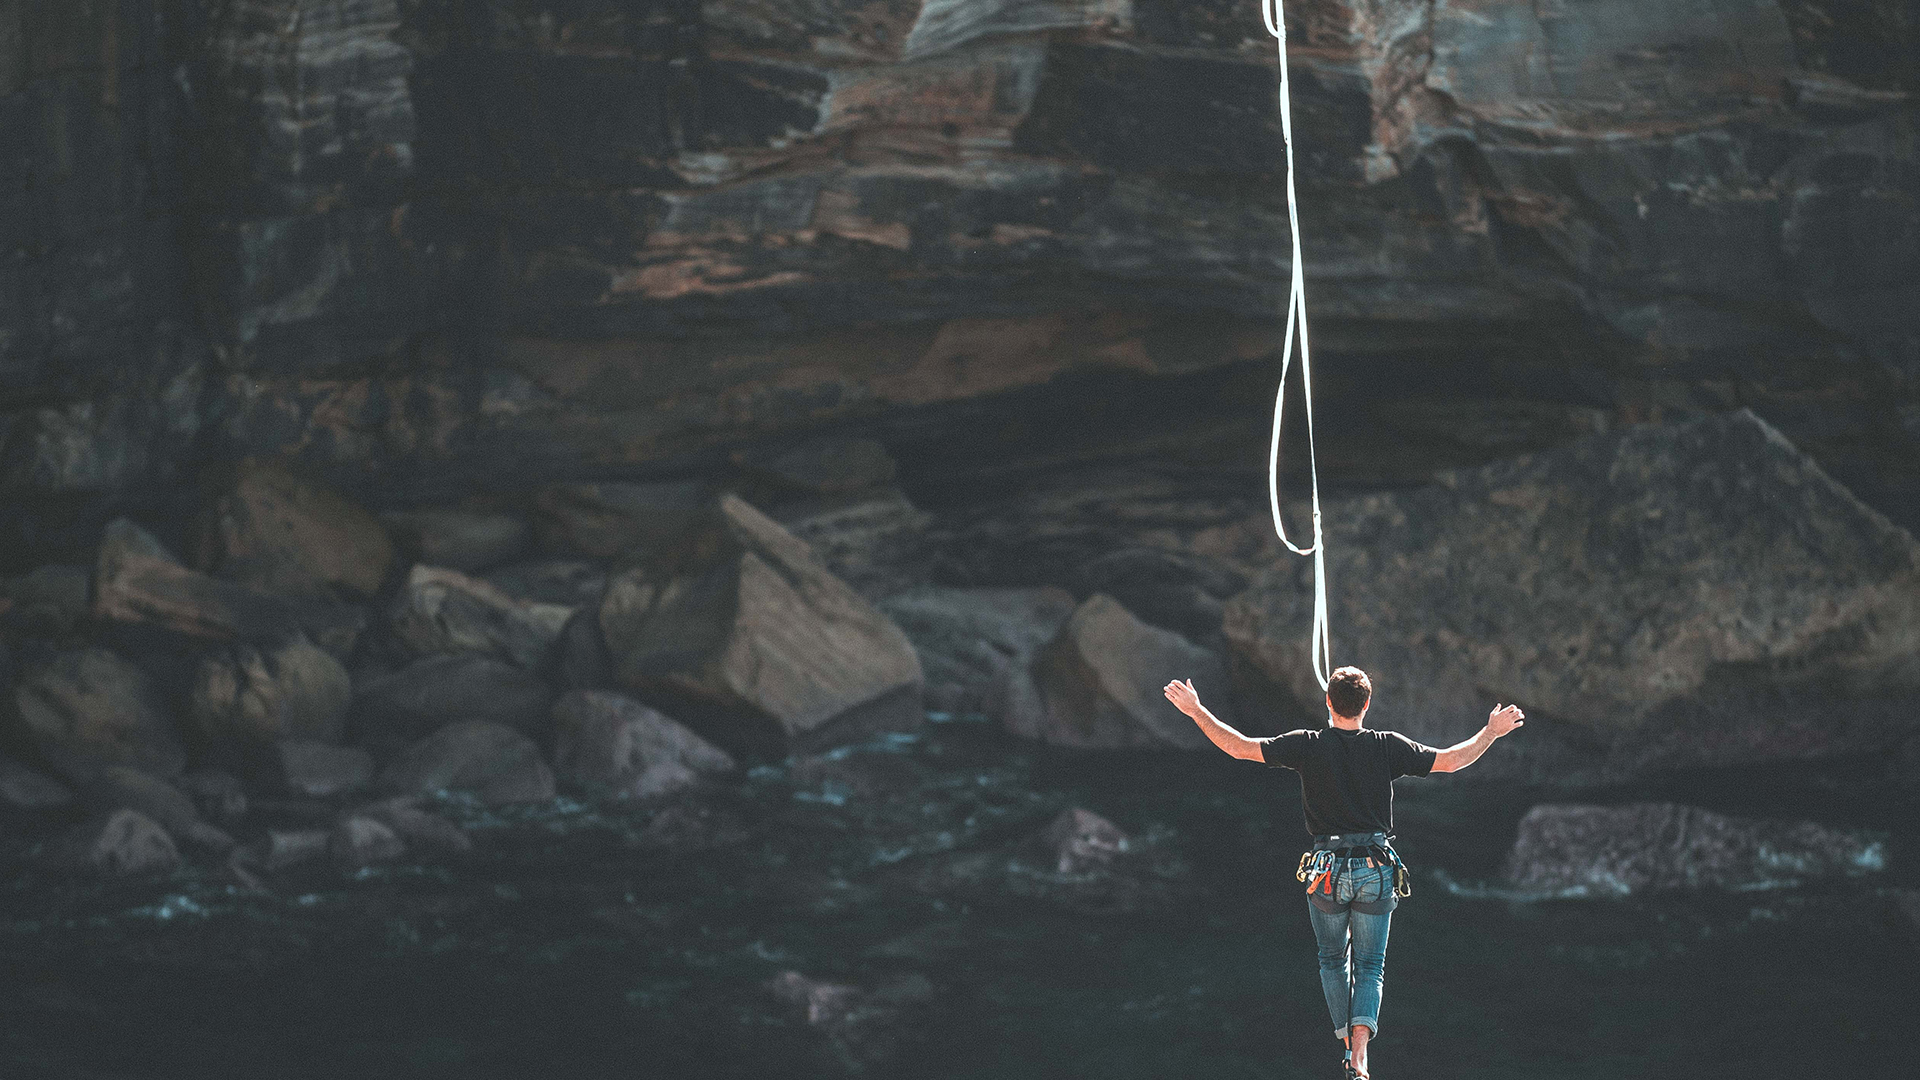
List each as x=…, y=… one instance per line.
x=1344, y=723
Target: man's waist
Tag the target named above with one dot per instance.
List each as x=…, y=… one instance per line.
x=1336, y=841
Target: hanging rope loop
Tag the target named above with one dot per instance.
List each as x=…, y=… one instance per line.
x=1321, y=644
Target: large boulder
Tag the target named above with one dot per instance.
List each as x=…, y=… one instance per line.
x=314, y=770
x=1699, y=593
x=466, y=540
x=246, y=696
x=877, y=542
x=90, y=709
x=607, y=744
x=118, y=786
x=745, y=634
x=1573, y=850
x=493, y=762
x=118, y=843
x=976, y=645
x=1099, y=683
x=137, y=580
x=601, y=521
x=403, y=706
x=277, y=529
x=445, y=611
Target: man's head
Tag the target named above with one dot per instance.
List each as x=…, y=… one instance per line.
x=1348, y=692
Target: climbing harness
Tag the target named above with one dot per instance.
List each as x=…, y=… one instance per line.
x=1321, y=647
x=1317, y=866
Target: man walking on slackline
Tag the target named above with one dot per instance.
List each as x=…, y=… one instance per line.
x=1346, y=782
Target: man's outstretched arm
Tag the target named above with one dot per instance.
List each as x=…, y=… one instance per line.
x=1500, y=721
x=1187, y=701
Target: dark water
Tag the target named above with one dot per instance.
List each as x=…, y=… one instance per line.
x=566, y=947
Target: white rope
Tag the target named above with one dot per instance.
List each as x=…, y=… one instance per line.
x=1321, y=646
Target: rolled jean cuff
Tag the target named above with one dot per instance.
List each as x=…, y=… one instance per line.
x=1339, y=1033
x=1373, y=1025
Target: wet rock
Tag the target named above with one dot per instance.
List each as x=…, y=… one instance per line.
x=1082, y=840
x=751, y=639
x=445, y=611
x=464, y=540
x=826, y=467
x=976, y=645
x=1644, y=847
x=118, y=786
x=1100, y=680
x=601, y=521
x=217, y=795
x=880, y=543
x=569, y=582
x=408, y=704
x=317, y=770
x=609, y=745
x=422, y=830
x=361, y=841
x=23, y=789
x=281, y=531
x=1079, y=861
x=138, y=580
x=246, y=696
x=282, y=848
x=493, y=762
x=1689, y=593
x=90, y=709
x=119, y=843
x=866, y=1026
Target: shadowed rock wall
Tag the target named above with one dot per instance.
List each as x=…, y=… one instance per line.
x=428, y=244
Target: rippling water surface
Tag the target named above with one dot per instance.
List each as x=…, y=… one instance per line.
x=571, y=944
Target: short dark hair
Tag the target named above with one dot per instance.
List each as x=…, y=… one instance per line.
x=1348, y=691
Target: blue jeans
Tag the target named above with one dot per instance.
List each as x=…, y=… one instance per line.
x=1353, y=988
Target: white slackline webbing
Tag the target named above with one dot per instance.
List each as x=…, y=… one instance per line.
x=1297, y=316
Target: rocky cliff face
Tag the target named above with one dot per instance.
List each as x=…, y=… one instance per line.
x=418, y=242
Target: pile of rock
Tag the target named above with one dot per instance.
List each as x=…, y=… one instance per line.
x=295, y=689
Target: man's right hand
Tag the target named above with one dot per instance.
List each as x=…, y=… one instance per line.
x=1504, y=719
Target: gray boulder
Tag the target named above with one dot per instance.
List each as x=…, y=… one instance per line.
x=276, y=529
x=569, y=582
x=879, y=543
x=745, y=634
x=1665, y=595
x=137, y=580
x=22, y=788
x=247, y=696
x=316, y=770
x=1082, y=840
x=601, y=521
x=1099, y=683
x=119, y=786
x=421, y=829
x=406, y=705
x=118, y=843
x=445, y=611
x=281, y=848
x=466, y=540
x=90, y=709
x=609, y=745
x=493, y=762
x=361, y=841
x=976, y=645
x=1605, y=851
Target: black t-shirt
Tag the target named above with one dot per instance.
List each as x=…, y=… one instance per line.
x=1346, y=777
